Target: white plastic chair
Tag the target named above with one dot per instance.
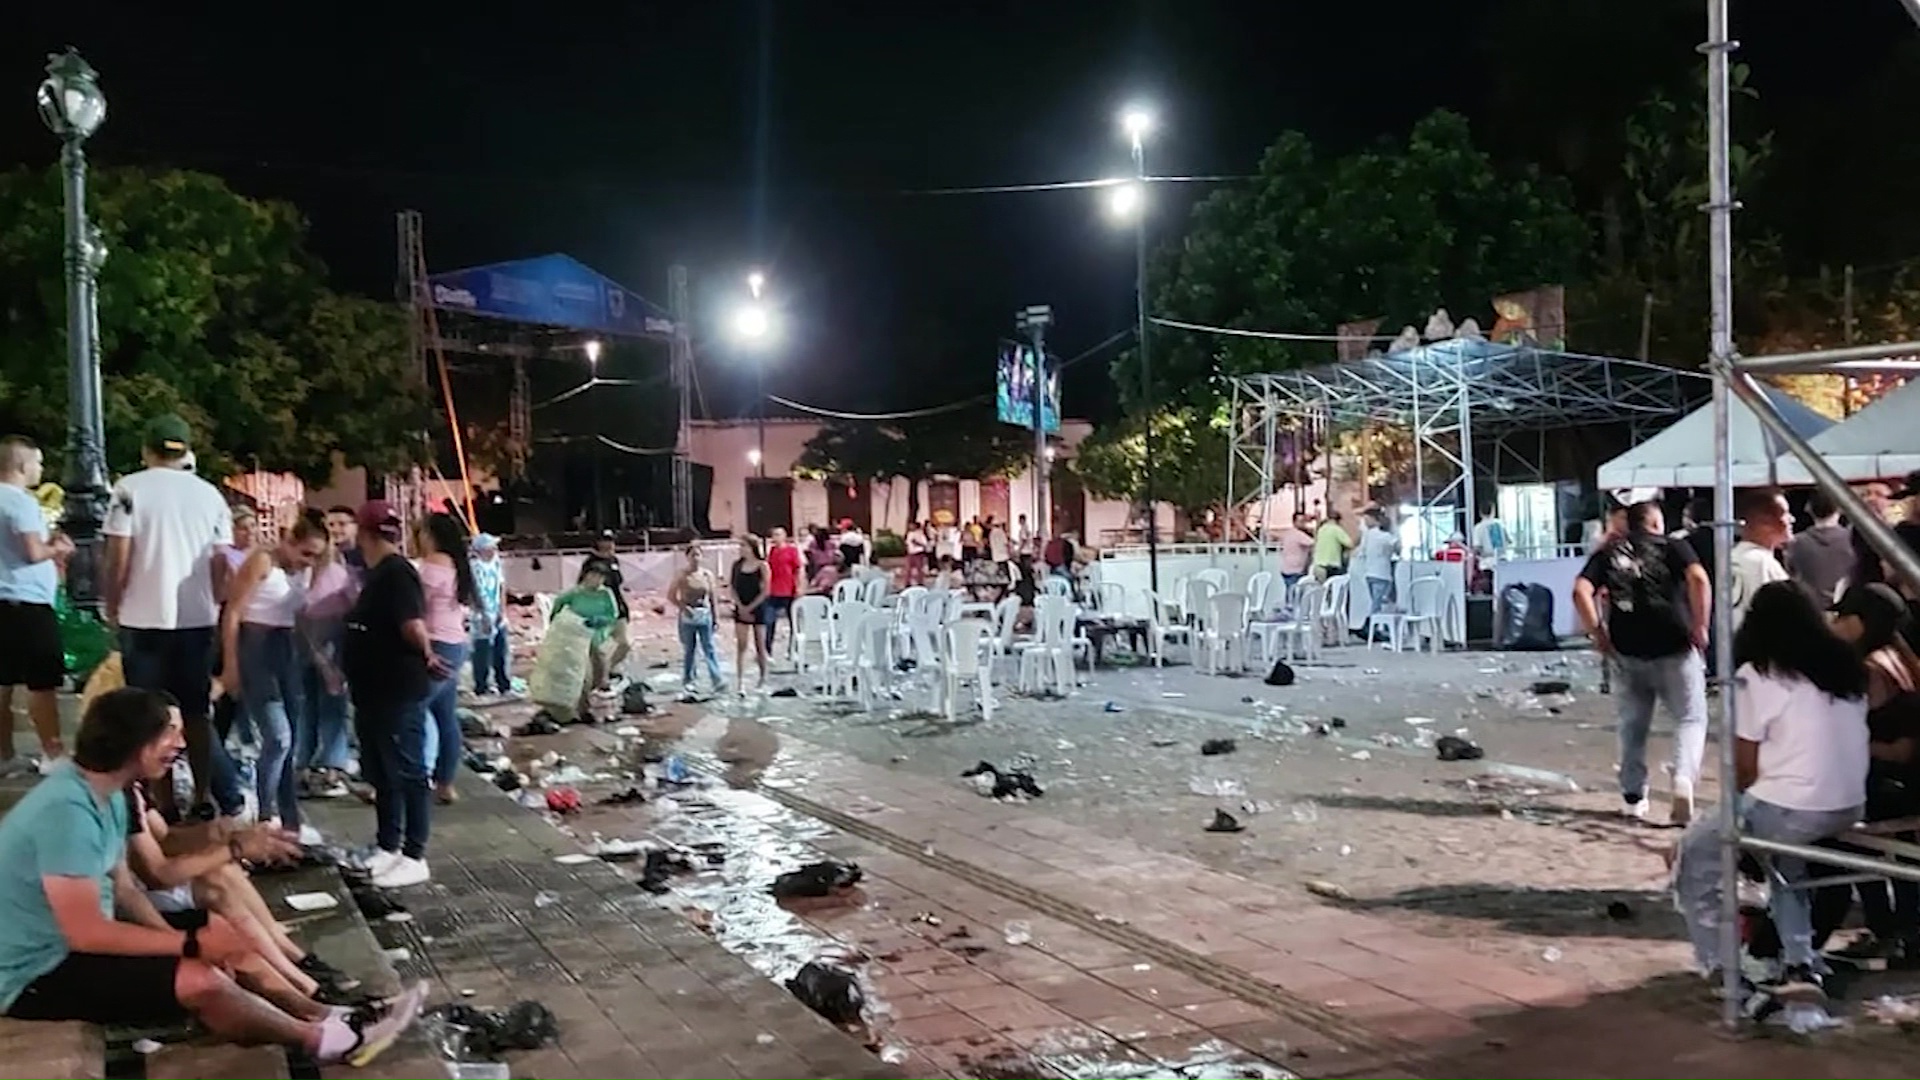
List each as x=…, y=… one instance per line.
x=1258, y=586
x=1216, y=577
x=844, y=665
x=966, y=661
x=1055, y=585
x=1198, y=599
x=1110, y=597
x=1223, y=633
x=812, y=634
x=1296, y=631
x=873, y=591
x=1049, y=657
x=1422, y=615
x=843, y=619
x=846, y=591
x=1333, y=609
x=1006, y=618
x=1162, y=630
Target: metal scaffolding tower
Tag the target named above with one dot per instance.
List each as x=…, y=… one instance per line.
x=682, y=368
x=1471, y=404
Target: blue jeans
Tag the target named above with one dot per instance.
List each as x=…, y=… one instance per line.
x=320, y=734
x=490, y=657
x=1639, y=684
x=392, y=735
x=270, y=688
x=1696, y=882
x=772, y=612
x=441, y=745
x=696, y=632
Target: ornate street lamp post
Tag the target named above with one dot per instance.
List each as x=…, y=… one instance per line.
x=74, y=108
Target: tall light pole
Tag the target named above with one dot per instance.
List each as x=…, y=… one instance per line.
x=1033, y=322
x=73, y=108
x=592, y=349
x=1136, y=122
x=753, y=325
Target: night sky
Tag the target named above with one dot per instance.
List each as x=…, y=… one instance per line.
x=790, y=133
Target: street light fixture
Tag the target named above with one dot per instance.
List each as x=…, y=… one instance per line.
x=1126, y=201
x=73, y=108
x=1136, y=121
x=592, y=349
x=753, y=325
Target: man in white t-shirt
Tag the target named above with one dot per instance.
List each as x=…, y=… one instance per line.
x=164, y=528
x=1765, y=527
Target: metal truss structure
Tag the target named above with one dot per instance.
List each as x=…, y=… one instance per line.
x=1482, y=409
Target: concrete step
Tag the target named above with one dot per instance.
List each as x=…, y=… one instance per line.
x=217, y=1061
x=58, y=1051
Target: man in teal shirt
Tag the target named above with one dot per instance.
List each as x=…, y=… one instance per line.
x=64, y=952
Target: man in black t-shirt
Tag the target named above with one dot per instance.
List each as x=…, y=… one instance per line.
x=607, y=560
x=1657, y=600
x=389, y=664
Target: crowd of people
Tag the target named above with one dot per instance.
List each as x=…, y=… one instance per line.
x=1824, y=682
x=261, y=661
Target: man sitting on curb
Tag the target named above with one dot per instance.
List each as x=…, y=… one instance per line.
x=65, y=956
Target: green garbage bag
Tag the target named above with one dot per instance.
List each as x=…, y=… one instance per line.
x=84, y=638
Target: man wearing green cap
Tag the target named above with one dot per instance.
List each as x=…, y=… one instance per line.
x=164, y=528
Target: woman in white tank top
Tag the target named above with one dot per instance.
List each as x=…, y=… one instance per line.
x=261, y=665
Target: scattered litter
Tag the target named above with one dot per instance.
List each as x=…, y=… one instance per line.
x=894, y=1055
x=927, y=918
x=817, y=879
x=1329, y=890
x=399, y=954
x=1017, y=933
x=830, y=991
x=1113, y=706
x=765, y=1039
x=472, y=725
x=1217, y=787
x=1888, y=1009
x=1281, y=675
x=1552, y=955
x=469, y=1033
x=628, y=797
x=1216, y=747
x=1620, y=911
x=542, y=723
x=1171, y=694
x=147, y=1046
x=545, y=899
x=661, y=867
x=1306, y=812
x=1805, y=1018
x=507, y=780
x=1550, y=686
x=1224, y=822
x=1455, y=748
x=1337, y=722
x=563, y=800
x=617, y=850
x=1361, y=755
x=1162, y=744
x=1346, y=850
x=573, y=858
x=312, y=901
x=996, y=783
x=1418, y=721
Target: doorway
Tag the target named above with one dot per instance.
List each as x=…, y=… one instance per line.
x=943, y=502
x=849, y=499
x=769, y=504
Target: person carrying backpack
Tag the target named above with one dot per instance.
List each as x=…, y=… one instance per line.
x=1656, y=600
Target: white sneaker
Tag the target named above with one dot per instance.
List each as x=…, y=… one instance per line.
x=381, y=861
x=1681, y=810
x=403, y=873
x=1636, y=809
x=47, y=765
x=378, y=1035
x=311, y=837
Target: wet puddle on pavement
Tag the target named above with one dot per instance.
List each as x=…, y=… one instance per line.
x=756, y=840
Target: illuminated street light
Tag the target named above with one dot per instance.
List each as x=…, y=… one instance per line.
x=1136, y=121
x=1130, y=202
x=1126, y=201
x=755, y=282
x=754, y=457
x=752, y=323
x=592, y=349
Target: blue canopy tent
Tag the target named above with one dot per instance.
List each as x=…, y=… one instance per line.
x=549, y=290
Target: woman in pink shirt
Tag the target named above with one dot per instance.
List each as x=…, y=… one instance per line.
x=446, y=577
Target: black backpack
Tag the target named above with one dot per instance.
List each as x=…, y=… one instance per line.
x=1640, y=581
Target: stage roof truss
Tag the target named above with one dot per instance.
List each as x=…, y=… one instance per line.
x=1450, y=394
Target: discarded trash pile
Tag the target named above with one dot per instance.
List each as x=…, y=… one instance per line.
x=995, y=783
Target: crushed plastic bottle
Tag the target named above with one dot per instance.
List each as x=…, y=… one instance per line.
x=1019, y=932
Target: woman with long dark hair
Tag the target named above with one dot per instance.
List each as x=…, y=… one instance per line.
x=748, y=581
x=446, y=577
x=1800, y=708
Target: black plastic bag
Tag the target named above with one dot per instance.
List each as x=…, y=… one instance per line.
x=1006, y=781
x=1281, y=675
x=524, y=1025
x=633, y=700
x=817, y=879
x=1455, y=748
x=830, y=991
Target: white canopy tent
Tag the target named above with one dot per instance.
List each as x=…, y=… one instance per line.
x=1682, y=456
x=1880, y=442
